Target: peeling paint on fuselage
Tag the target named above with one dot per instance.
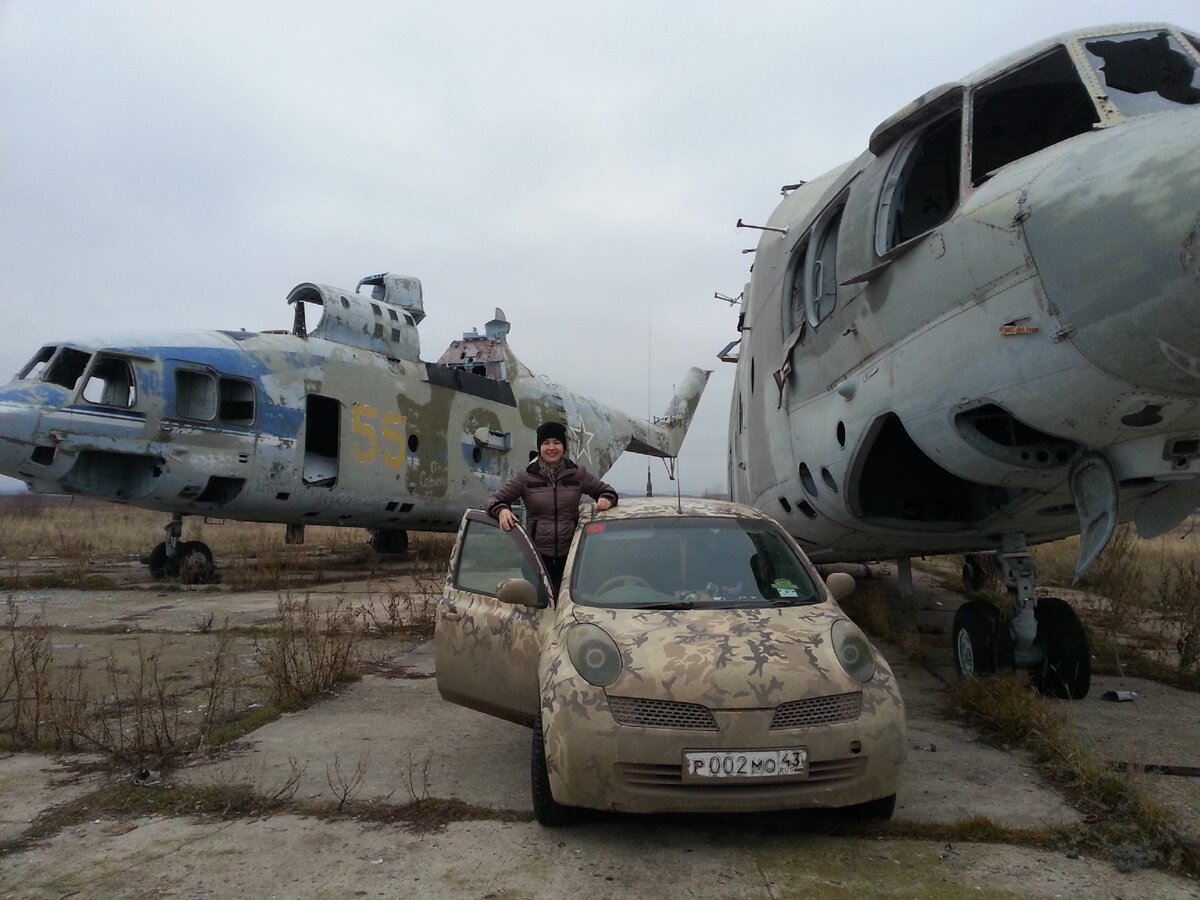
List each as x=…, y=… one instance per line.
x=222, y=423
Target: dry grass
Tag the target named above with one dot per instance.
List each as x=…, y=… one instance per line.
x=140, y=707
x=1129, y=825
x=69, y=538
x=310, y=652
x=869, y=606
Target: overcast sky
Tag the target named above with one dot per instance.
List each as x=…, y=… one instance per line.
x=170, y=165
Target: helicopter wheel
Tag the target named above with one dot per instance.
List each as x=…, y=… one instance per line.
x=390, y=542
x=1066, y=670
x=194, y=562
x=158, y=561
x=977, y=638
x=979, y=571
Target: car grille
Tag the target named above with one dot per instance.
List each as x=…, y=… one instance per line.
x=661, y=714
x=808, y=713
x=818, y=711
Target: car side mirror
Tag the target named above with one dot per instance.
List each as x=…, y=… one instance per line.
x=840, y=585
x=518, y=592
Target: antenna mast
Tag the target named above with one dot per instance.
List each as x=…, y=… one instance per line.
x=649, y=377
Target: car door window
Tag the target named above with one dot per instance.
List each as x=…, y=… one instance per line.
x=488, y=557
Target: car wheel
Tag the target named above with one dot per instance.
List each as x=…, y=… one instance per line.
x=1066, y=669
x=977, y=627
x=873, y=810
x=547, y=812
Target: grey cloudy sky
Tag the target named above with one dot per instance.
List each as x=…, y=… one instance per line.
x=580, y=165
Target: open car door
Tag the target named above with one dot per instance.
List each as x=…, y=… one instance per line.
x=487, y=648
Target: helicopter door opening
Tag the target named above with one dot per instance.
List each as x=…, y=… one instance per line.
x=322, y=423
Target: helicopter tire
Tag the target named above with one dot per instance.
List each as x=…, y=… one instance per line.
x=980, y=571
x=977, y=639
x=391, y=543
x=194, y=562
x=1066, y=668
x=159, y=563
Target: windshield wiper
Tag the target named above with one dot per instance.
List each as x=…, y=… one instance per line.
x=669, y=604
x=793, y=601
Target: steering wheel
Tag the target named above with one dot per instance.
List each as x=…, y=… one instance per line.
x=620, y=581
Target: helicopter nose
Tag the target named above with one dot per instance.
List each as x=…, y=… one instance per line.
x=18, y=421
x=1114, y=229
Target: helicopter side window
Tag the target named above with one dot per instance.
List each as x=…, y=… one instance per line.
x=1145, y=72
x=821, y=266
x=237, y=401
x=110, y=383
x=67, y=367
x=1027, y=110
x=921, y=189
x=195, y=395
x=793, y=306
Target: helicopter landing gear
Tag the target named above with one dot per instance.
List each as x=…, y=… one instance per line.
x=977, y=635
x=1066, y=667
x=1043, y=635
x=391, y=543
x=190, y=561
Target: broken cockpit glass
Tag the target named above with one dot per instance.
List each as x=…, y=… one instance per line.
x=63, y=366
x=1145, y=72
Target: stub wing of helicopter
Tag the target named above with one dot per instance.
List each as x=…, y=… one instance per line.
x=338, y=424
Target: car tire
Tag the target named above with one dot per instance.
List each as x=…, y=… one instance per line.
x=873, y=810
x=546, y=810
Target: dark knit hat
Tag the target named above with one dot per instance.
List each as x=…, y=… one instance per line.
x=552, y=430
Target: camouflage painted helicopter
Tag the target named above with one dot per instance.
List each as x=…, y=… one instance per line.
x=982, y=332
x=343, y=425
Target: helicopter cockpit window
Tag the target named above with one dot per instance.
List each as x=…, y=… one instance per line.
x=1027, y=110
x=67, y=367
x=35, y=368
x=1145, y=72
x=921, y=189
x=110, y=383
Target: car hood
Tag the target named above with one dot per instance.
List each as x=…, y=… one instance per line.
x=727, y=658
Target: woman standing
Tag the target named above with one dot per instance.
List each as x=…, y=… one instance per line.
x=551, y=487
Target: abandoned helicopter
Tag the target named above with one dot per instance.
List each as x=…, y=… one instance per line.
x=981, y=333
x=343, y=425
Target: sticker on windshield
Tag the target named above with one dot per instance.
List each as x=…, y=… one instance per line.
x=784, y=588
x=595, y=528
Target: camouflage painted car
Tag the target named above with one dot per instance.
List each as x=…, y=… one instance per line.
x=693, y=661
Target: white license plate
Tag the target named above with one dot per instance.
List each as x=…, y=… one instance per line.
x=705, y=765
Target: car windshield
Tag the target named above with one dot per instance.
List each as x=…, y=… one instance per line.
x=689, y=563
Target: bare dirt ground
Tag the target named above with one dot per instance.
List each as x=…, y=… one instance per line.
x=409, y=743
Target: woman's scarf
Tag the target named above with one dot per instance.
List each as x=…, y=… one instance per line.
x=552, y=472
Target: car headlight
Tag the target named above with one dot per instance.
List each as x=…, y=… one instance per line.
x=853, y=650
x=594, y=654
